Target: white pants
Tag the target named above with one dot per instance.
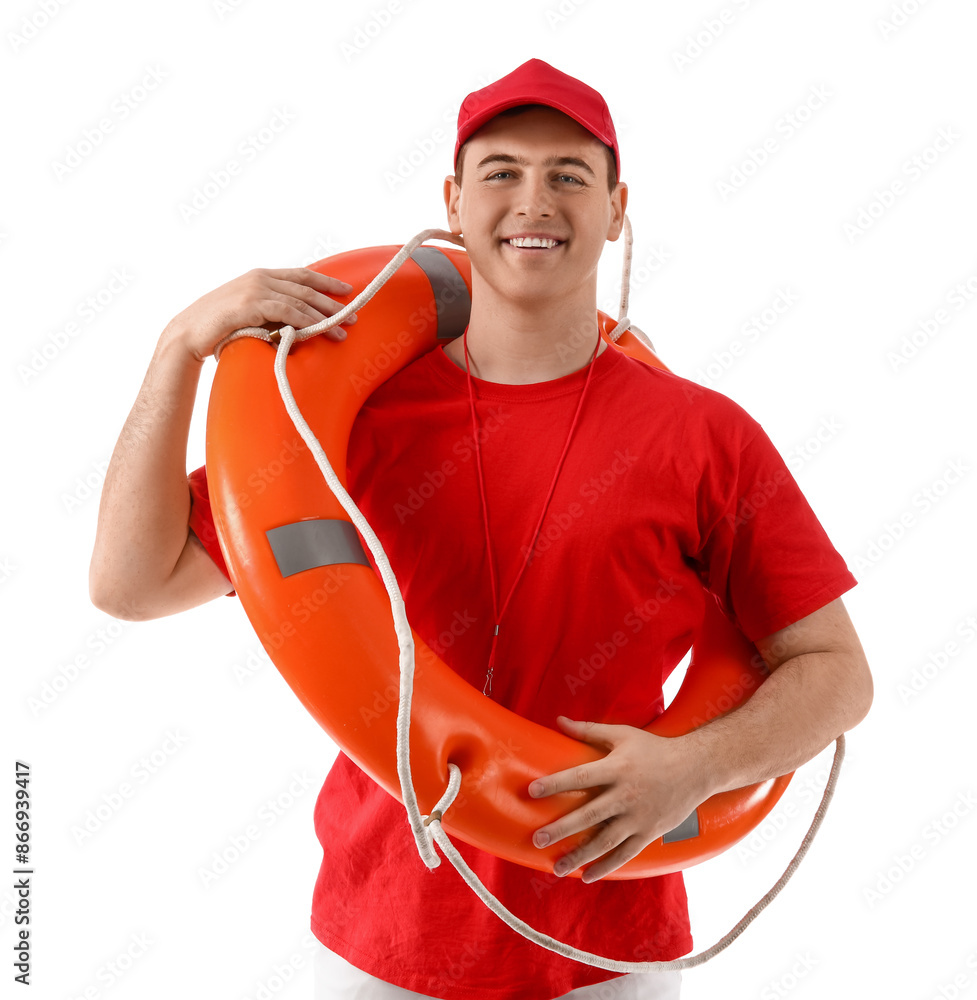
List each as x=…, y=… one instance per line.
x=336, y=979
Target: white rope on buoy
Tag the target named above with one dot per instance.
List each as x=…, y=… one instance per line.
x=428, y=829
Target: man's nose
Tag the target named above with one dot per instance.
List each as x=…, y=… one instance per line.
x=535, y=197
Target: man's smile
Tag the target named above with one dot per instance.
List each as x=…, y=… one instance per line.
x=533, y=242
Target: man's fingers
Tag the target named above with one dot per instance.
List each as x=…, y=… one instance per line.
x=596, y=733
x=306, y=276
x=604, y=842
x=624, y=852
x=302, y=305
x=584, y=775
x=316, y=288
x=331, y=286
x=327, y=286
x=589, y=815
x=573, y=779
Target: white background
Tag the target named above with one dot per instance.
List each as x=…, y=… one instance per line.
x=361, y=98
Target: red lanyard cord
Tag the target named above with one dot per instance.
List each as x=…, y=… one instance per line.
x=487, y=689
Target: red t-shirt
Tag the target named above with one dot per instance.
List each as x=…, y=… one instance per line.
x=666, y=484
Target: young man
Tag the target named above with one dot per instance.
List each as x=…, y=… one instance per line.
x=648, y=481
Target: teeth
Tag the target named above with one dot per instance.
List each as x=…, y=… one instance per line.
x=533, y=241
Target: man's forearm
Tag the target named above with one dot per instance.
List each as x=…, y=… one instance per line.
x=806, y=703
x=142, y=518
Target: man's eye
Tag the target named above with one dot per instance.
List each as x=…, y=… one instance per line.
x=570, y=178
x=499, y=174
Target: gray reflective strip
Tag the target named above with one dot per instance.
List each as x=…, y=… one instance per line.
x=307, y=544
x=686, y=830
x=450, y=291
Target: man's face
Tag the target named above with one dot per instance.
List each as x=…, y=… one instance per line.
x=536, y=174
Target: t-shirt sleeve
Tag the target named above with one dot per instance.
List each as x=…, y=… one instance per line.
x=202, y=519
x=764, y=553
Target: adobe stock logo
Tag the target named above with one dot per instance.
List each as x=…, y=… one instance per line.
x=802, y=453
x=139, y=774
x=32, y=24
x=236, y=846
x=759, y=324
x=791, y=808
x=220, y=179
x=119, y=110
x=913, y=168
x=423, y=148
x=88, y=310
x=759, y=154
x=561, y=12
x=113, y=969
x=899, y=16
x=937, y=661
x=58, y=682
x=712, y=28
x=907, y=861
x=85, y=488
x=372, y=28
x=929, y=327
x=924, y=501
x=786, y=983
x=224, y=7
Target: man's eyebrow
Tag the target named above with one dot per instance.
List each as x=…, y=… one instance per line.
x=551, y=161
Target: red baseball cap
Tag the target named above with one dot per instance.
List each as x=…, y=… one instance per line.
x=537, y=82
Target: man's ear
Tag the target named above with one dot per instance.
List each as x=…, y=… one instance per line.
x=452, y=194
x=619, y=204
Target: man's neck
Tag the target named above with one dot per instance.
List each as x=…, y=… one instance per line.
x=513, y=345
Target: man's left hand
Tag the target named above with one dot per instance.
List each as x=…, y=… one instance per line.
x=649, y=786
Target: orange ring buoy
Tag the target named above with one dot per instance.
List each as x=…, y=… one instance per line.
x=293, y=539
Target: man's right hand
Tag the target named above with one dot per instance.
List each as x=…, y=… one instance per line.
x=264, y=297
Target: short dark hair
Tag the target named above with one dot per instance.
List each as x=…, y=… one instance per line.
x=518, y=110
